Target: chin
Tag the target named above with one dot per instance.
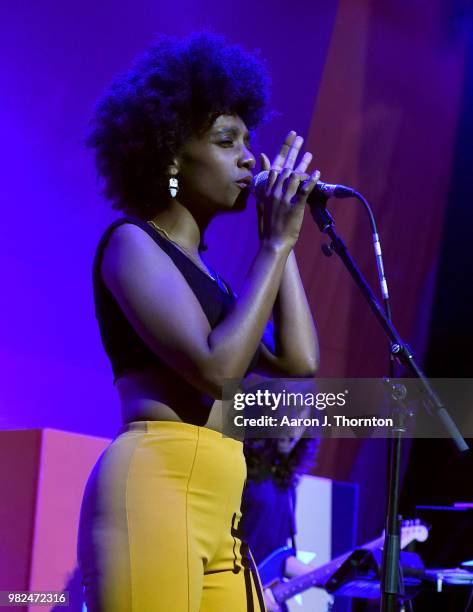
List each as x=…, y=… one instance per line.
x=241, y=201
x=232, y=204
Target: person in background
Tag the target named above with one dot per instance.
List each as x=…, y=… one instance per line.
x=275, y=466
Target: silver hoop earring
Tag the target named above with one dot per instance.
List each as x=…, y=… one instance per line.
x=173, y=186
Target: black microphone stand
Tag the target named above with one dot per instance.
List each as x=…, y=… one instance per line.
x=390, y=579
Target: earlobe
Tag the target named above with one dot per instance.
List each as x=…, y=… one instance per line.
x=173, y=168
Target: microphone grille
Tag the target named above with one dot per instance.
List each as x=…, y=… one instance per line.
x=260, y=178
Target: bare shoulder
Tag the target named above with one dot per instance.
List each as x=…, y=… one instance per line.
x=130, y=246
x=142, y=276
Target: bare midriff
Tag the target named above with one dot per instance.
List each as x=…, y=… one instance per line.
x=155, y=394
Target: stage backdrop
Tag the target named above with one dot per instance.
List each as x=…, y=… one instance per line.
x=57, y=58
x=375, y=86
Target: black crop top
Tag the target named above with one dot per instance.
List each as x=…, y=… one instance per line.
x=124, y=347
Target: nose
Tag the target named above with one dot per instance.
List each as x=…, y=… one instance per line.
x=247, y=159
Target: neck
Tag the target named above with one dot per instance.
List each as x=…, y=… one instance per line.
x=183, y=226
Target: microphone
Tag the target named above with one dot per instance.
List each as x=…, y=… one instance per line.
x=327, y=189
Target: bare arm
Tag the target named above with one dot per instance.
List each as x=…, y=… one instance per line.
x=295, y=336
x=294, y=567
x=294, y=349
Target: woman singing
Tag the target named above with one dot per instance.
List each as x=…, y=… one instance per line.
x=159, y=527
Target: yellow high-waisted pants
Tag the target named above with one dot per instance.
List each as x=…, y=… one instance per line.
x=159, y=524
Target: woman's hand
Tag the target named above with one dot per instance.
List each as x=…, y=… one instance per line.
x=281, y=206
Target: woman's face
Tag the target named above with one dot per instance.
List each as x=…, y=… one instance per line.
x=215, y=169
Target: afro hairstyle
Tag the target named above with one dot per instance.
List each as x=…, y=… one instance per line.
x=172, y=93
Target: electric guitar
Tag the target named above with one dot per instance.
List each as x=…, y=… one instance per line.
x=271, y=569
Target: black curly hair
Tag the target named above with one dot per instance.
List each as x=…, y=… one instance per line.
x=172, y=92
x=264, y=461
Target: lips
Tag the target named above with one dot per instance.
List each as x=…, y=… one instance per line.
x=244, y=182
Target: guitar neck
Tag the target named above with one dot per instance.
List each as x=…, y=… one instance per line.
x=317, y=577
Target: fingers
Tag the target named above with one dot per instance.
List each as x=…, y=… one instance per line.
x=282, y=209
x=307, y=186
x=293, y=152
x=292, y=185
x=304, y=163
x=272, y=177
x=286, y=180
x=270, y=601
x=265, y=163
x=280, y=159
x=287, y=183
x=289, y=152
x=281, y=182
x=295, y=187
